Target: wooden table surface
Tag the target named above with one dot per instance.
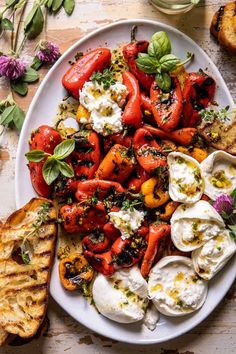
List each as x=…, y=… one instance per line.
x=217, y=334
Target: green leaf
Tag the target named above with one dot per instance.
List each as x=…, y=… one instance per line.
x=36, y=155
x=56, y=6
x=159, y=45
x=64, y=149
x=169, y=62
x=163, y=81
x=233, y=195
x=34, y=22
x=65, y=169
x=7, y=115
x=12, y=115
x=50, y=170
x=7, y=24
x=19, y=117
x=36, y=65
x=147, y=64
x=30, y=75
x=49, y=4
x=19, y=87
x=11, y=3
x=69, y=6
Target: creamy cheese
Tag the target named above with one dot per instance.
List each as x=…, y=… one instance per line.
x=193, y=225
x=127, y=221
x=219, y=170
x=213, y=255
x=151, y=317
x=122, y=297
x=186, y=183
x=175, y=288
x=104, y=106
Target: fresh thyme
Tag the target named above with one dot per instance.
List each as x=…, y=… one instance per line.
x=106, y=78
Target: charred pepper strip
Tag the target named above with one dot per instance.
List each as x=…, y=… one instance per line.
x=44, y=138
x=137, y=179
x=148, y=152
x=94, y=191
x=74, y=271
x=117, y=165
x=167, y=107
x=130, y=53
x=199, y=90
x=184, y=136
x=132, y=115
x=80, y=72
x=156, y=233
x=103, y=263
x=96, y=242
x=81, y=218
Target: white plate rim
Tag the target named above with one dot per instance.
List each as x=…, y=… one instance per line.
x=17, y=165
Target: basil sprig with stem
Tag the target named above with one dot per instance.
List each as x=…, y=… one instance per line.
x=159, y=60
x=54, y=165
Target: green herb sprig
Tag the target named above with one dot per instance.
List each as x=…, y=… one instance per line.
x=210, y=115
x=54, y=165
x=159, y=61
x=105, y=78
x=11, y=115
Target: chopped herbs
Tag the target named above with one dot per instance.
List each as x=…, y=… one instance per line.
x=106, y=78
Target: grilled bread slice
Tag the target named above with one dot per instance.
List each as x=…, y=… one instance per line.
x=27, y=245
x=223, y=26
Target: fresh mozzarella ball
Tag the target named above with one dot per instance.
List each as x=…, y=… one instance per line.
x=175, y=288
x=219, y=171
x=151, y=317
x=193, y=225
x=122, y=297
x=127, y=221
x=186, y=184
x=104, y=106
x=213, y=255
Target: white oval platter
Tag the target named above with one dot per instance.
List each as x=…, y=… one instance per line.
x=44, y=107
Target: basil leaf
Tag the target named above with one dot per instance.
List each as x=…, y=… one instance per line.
x=64, y=149
x=50, y=170
x=69, y=6
x=7, y=24
x=163, y=81
x=147, y=64
x=65, y=169
x=18, y=118
x=30, y=75
x=19, y=87
x=36, y=155
x=57, y=4
x=159, y=45
x=36, y=63
x=169, y=62
x=34, y=22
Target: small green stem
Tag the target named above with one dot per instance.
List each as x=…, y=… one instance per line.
x=6, y=8
x=186, y=60
x=17, y=31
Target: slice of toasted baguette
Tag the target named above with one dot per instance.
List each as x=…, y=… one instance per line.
x=27, y=245
x=223, y=26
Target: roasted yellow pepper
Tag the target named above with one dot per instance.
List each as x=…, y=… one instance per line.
x=82, y=113
x=154, y=195
x=196, y=153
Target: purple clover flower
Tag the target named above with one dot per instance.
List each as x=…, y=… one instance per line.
x=11, y=68
x=224, y=204
x=48, y=52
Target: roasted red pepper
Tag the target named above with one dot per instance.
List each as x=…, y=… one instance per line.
x=167, y=107
x=130, y=52
x=81, y=218
x=111, y=231
x=103, y=263
x=156, y=233
x=98, y=190
x=146, y=103
x=85, y=158
x=139, y=176
x=199, y=90
x=184, y=136
x=96, y=242
x=80, y=72
x=132, y=115
x=44, y=138
x=148, y=152
x=125, y=253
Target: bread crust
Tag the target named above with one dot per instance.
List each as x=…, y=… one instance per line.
x=24, y=287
